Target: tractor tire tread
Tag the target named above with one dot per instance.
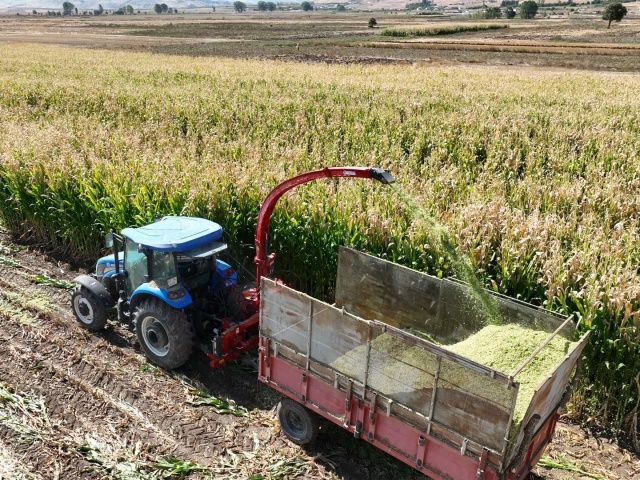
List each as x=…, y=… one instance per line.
x=99, y=310
x=178, y=327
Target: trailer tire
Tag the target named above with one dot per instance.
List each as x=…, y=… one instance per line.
x=298, y=423
x=165, y=334
x=88, y=309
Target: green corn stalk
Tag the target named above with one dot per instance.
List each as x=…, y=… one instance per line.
x=42, y=279
x=561, y=463
x=219, y=405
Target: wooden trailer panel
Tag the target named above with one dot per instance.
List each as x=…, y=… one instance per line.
x=549, y=395
x=473, y=402
x=377, y=289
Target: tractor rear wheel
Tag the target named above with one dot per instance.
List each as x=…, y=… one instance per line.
x=298, y=423
x=88, y=309
x=165, y=334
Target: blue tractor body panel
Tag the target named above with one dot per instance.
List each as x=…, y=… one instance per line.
x=225, y=276
x=175, y=234
x=191, y=236
x=149, y=288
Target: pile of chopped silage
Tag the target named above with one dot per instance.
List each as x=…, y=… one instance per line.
x=398, y=370
x=504, y=348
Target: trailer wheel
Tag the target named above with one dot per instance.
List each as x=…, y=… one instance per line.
x=88, y=309
x=165, y=334
x=298, y=423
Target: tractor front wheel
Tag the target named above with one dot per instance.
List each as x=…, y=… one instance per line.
x=298, y=423
x=165, y=334
x=88, y=309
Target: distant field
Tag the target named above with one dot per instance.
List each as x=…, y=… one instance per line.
x=345, y=38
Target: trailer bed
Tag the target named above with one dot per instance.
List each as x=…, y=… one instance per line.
x=358, y=364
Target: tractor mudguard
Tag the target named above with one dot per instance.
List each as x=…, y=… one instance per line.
x=97, y=289
x=149, y=289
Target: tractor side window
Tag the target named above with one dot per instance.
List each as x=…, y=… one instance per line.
x=163, y=269
x=135, y=263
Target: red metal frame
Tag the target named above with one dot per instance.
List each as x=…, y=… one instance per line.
x=238, y=338
x=390, y=434
x=263, y=261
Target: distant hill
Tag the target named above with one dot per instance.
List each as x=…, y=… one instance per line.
x=16, y=5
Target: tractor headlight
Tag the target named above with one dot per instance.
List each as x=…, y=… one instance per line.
x=103, y=268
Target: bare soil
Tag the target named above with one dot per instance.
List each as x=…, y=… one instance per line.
x=108, y=409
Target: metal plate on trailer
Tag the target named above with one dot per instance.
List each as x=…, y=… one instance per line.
x=470, y=399
x=549, y=393
x=376, y=289
x=339, y=340
x=285, y=317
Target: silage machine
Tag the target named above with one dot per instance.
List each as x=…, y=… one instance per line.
x=166, y=281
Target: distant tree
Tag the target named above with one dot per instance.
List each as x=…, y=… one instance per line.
x=75, y=9
x=262, y=6
x=157, y=8
x=614, y=12
x=67, y=8
x=33, y=12
x=372, y=22
x=490, y=13
x=128, y=9
x=165, y=7
x=341, y=8
x=306, y=6
x=271, y=6
x=239, y=6
x=99, y=11
x=528, y=9
x=509, y=12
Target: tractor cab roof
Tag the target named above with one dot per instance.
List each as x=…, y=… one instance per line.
x=178, y=234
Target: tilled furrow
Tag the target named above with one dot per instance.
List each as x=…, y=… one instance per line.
x=156, y=402
x=12, y=467
x=87, y=400
x=47, y=456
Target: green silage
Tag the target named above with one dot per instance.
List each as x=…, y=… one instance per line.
x=402, y=371
x=505, y=347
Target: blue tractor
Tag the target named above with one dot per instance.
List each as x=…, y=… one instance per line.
x=166, y=281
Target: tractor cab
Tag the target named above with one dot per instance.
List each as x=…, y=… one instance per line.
x=167, y=281
x=173, y=258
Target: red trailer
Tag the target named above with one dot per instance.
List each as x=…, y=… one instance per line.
x=357, y=364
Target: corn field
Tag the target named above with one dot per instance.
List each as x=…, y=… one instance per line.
x=535, y=174
x=443, y=29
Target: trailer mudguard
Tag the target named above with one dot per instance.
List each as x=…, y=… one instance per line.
x=149, y=289
x=97, y=289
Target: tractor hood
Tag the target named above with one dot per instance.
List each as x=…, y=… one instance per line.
x=175, y=234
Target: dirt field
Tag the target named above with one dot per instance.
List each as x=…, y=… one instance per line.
x=90, y=406
x=567, y=39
